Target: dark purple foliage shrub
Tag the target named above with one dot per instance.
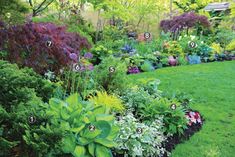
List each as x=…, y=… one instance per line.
x=28, y=45
x=184, y=21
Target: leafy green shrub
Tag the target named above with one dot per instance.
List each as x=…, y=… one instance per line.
x=114, y=80
x=74, y=23
x=100, y=52
x=173, y=48
x=21, y=93
x=112, y=33
x=182, y=61
x=87, y=130
x=137, y=99
x=174, y=119
x=231, y=46
x=14, y=81
x=111, y=102
x=146, y=107
x=139, y=139
x=12, y=11
x=224, y=37
x=147, y=66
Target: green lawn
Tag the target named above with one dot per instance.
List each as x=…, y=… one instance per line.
x=212, y=86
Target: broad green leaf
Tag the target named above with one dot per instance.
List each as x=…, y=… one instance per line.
x=105, y=128
x=73, y=101
x=77, y=130
x=91, y=134
x=55, y=104
x=86, y=120
x=104, y=117
x=36, y=136
x=64, y=113
x=79, y=151
x=68, y=144
x=114, y=132
x=65, y=125
x=102, y=151
x=91, y=149
x=105, y=142
x=99, y=110
x=83, y=141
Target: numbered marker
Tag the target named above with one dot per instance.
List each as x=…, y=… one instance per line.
x=192, y=44
x=139, y=130
x=147, y=35
x=92, y=128
x=173, y=106
x=49, y=43
x=32, y=119
x=76, y=67
x=112, y=69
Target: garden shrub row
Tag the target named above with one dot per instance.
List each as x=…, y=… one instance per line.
x=132, y=121
x=81, y=98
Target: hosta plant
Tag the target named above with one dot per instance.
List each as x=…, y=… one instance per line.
x=87, y=130
x=139, y=139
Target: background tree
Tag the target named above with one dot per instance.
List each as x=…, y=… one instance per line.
x=12, y=11
x=191, y=5
x=38, y=6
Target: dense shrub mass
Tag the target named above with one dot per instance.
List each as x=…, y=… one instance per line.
x=77, y=100
x=184, y=21
x=114, y=80
x=42, y=46
x=21, y=93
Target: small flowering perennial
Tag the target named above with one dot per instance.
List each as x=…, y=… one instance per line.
x=133, y=70
x=138, y=139
x=193, y=118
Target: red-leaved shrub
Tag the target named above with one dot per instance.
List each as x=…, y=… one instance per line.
x=27, y=45
x=184, y=21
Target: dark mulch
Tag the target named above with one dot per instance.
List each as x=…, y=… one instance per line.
x=177, y=139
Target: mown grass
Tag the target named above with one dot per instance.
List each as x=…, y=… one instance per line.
x=212, y=87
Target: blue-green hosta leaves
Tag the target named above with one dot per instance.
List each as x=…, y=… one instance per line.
x=102, y=151
x=91, y=149
x=105, y=128
x=79, y=151
x=73, y=118
x=83, y=141
x=106, y=142
x=90, y=134
x=104, y=117
x=77, y=129
x=68, y=143
x=114, y=133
